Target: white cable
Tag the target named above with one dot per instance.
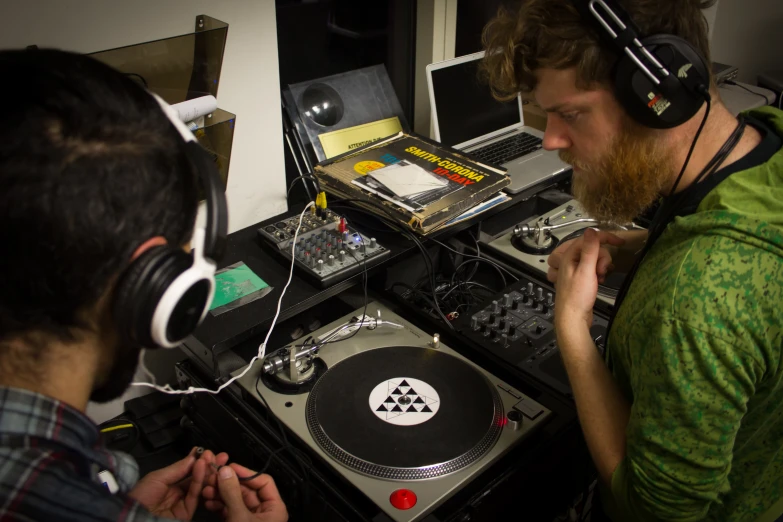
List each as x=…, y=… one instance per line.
x=149, y=374
x=261, y=349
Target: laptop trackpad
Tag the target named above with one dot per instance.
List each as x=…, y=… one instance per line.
x=541, y=161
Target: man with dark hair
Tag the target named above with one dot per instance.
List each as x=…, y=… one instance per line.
x=684, y=418
x=92, y=175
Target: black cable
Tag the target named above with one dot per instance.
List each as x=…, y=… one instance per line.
x=366, y=302
x=427, y=259
x=485, y=260
x=291, y=186
x=693, y=145
x=730, y=82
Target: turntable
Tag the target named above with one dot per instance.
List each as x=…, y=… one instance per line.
x=530, y=243
x=401, y=416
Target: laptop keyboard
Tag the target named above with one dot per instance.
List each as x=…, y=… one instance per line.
x=508, y=149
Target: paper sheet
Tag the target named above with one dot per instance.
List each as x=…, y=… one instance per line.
x=407, y=180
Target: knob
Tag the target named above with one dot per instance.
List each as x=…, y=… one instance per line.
x=320, y=265
x=474, y=323
x=502, y=324
x=503, y=312
x=507, y=301
x=539, y=294
x=495, y=306
x=530, y=289
x=539, y=329
x=514, y=419
x=512, y=330
x=570, y=208
x=504, y=339
x=525, y=299
x=550, y=299
x=342, y=255
x=483, y=327
x=331, y=260
x=308, y=259
x=544, y=309
x=493, y=334
x=514, y=304
x=373, y=242
x=492, y=318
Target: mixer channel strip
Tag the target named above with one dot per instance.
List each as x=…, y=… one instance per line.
x=518, y=327
x=327, y=249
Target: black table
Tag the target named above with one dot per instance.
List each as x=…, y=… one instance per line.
x=218, y=334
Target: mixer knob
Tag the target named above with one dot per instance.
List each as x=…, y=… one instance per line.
x=530, y=289
x=373, y=242
x=539, y=329
x=493, y=334
x=504, y=339
x=342, y=255
x=474, y=323
x=502, y=324
x=512, y=330
x=492, y=318
x=544, y=309
x=514, y=304
x=495, y=306
x=320, y=266
x=331, y=261
x=503, y=312
x=482, y=327
x=525, y=299
x=507, y=300
x=539, y=294
x=550, y=299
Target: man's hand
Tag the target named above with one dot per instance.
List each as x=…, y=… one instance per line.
x=252, y=501
x=604, y=264
x=577, y=281
x=174, y=491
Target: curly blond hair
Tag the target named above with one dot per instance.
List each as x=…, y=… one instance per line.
x=552, y=34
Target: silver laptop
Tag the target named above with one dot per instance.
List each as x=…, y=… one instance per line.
x=466, y=116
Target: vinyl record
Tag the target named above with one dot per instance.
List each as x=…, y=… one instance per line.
x=404, y=413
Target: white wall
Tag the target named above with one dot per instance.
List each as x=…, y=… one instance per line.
x=248, y=88
x=249, y=82
x=747, y=33
x=436, y=32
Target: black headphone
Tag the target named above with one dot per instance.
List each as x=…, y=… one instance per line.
x=165, y=293
x=661, y=80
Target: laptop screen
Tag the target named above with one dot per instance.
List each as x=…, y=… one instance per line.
x=465, y=107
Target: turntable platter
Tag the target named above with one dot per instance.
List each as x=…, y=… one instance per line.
x=404, y=413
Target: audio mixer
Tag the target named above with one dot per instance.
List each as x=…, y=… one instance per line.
x=327, y=249
x=517, y=326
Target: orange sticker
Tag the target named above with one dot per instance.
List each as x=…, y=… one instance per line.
x=363, y=167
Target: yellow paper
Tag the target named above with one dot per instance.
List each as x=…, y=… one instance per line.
x=344, y=140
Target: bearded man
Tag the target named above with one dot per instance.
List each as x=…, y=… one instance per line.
x=684, y=417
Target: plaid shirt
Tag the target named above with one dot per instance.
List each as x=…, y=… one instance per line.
x=50, y=457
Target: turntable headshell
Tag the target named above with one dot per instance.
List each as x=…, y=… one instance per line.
x=296, y=365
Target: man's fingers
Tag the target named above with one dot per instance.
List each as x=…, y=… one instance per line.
x=591, y=247
x=264, y=484
x=196, y=484
x=609, y=238
x=214, y=505
x=230, y=491
x=551, y=275
x=604, y=264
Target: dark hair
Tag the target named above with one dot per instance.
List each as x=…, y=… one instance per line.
x=90, y=168
x=551, y=34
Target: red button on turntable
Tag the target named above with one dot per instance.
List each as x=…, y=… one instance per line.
x=403, y=499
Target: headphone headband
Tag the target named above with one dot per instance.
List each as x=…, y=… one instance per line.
x=643, y=80
x=216, y=228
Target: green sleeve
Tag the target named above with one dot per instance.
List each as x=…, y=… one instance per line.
x=690, y=394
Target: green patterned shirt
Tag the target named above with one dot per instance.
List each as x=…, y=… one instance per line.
x=697, y=349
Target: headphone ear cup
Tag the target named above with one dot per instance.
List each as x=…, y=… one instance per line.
x=676, y=100
x=140, y=289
